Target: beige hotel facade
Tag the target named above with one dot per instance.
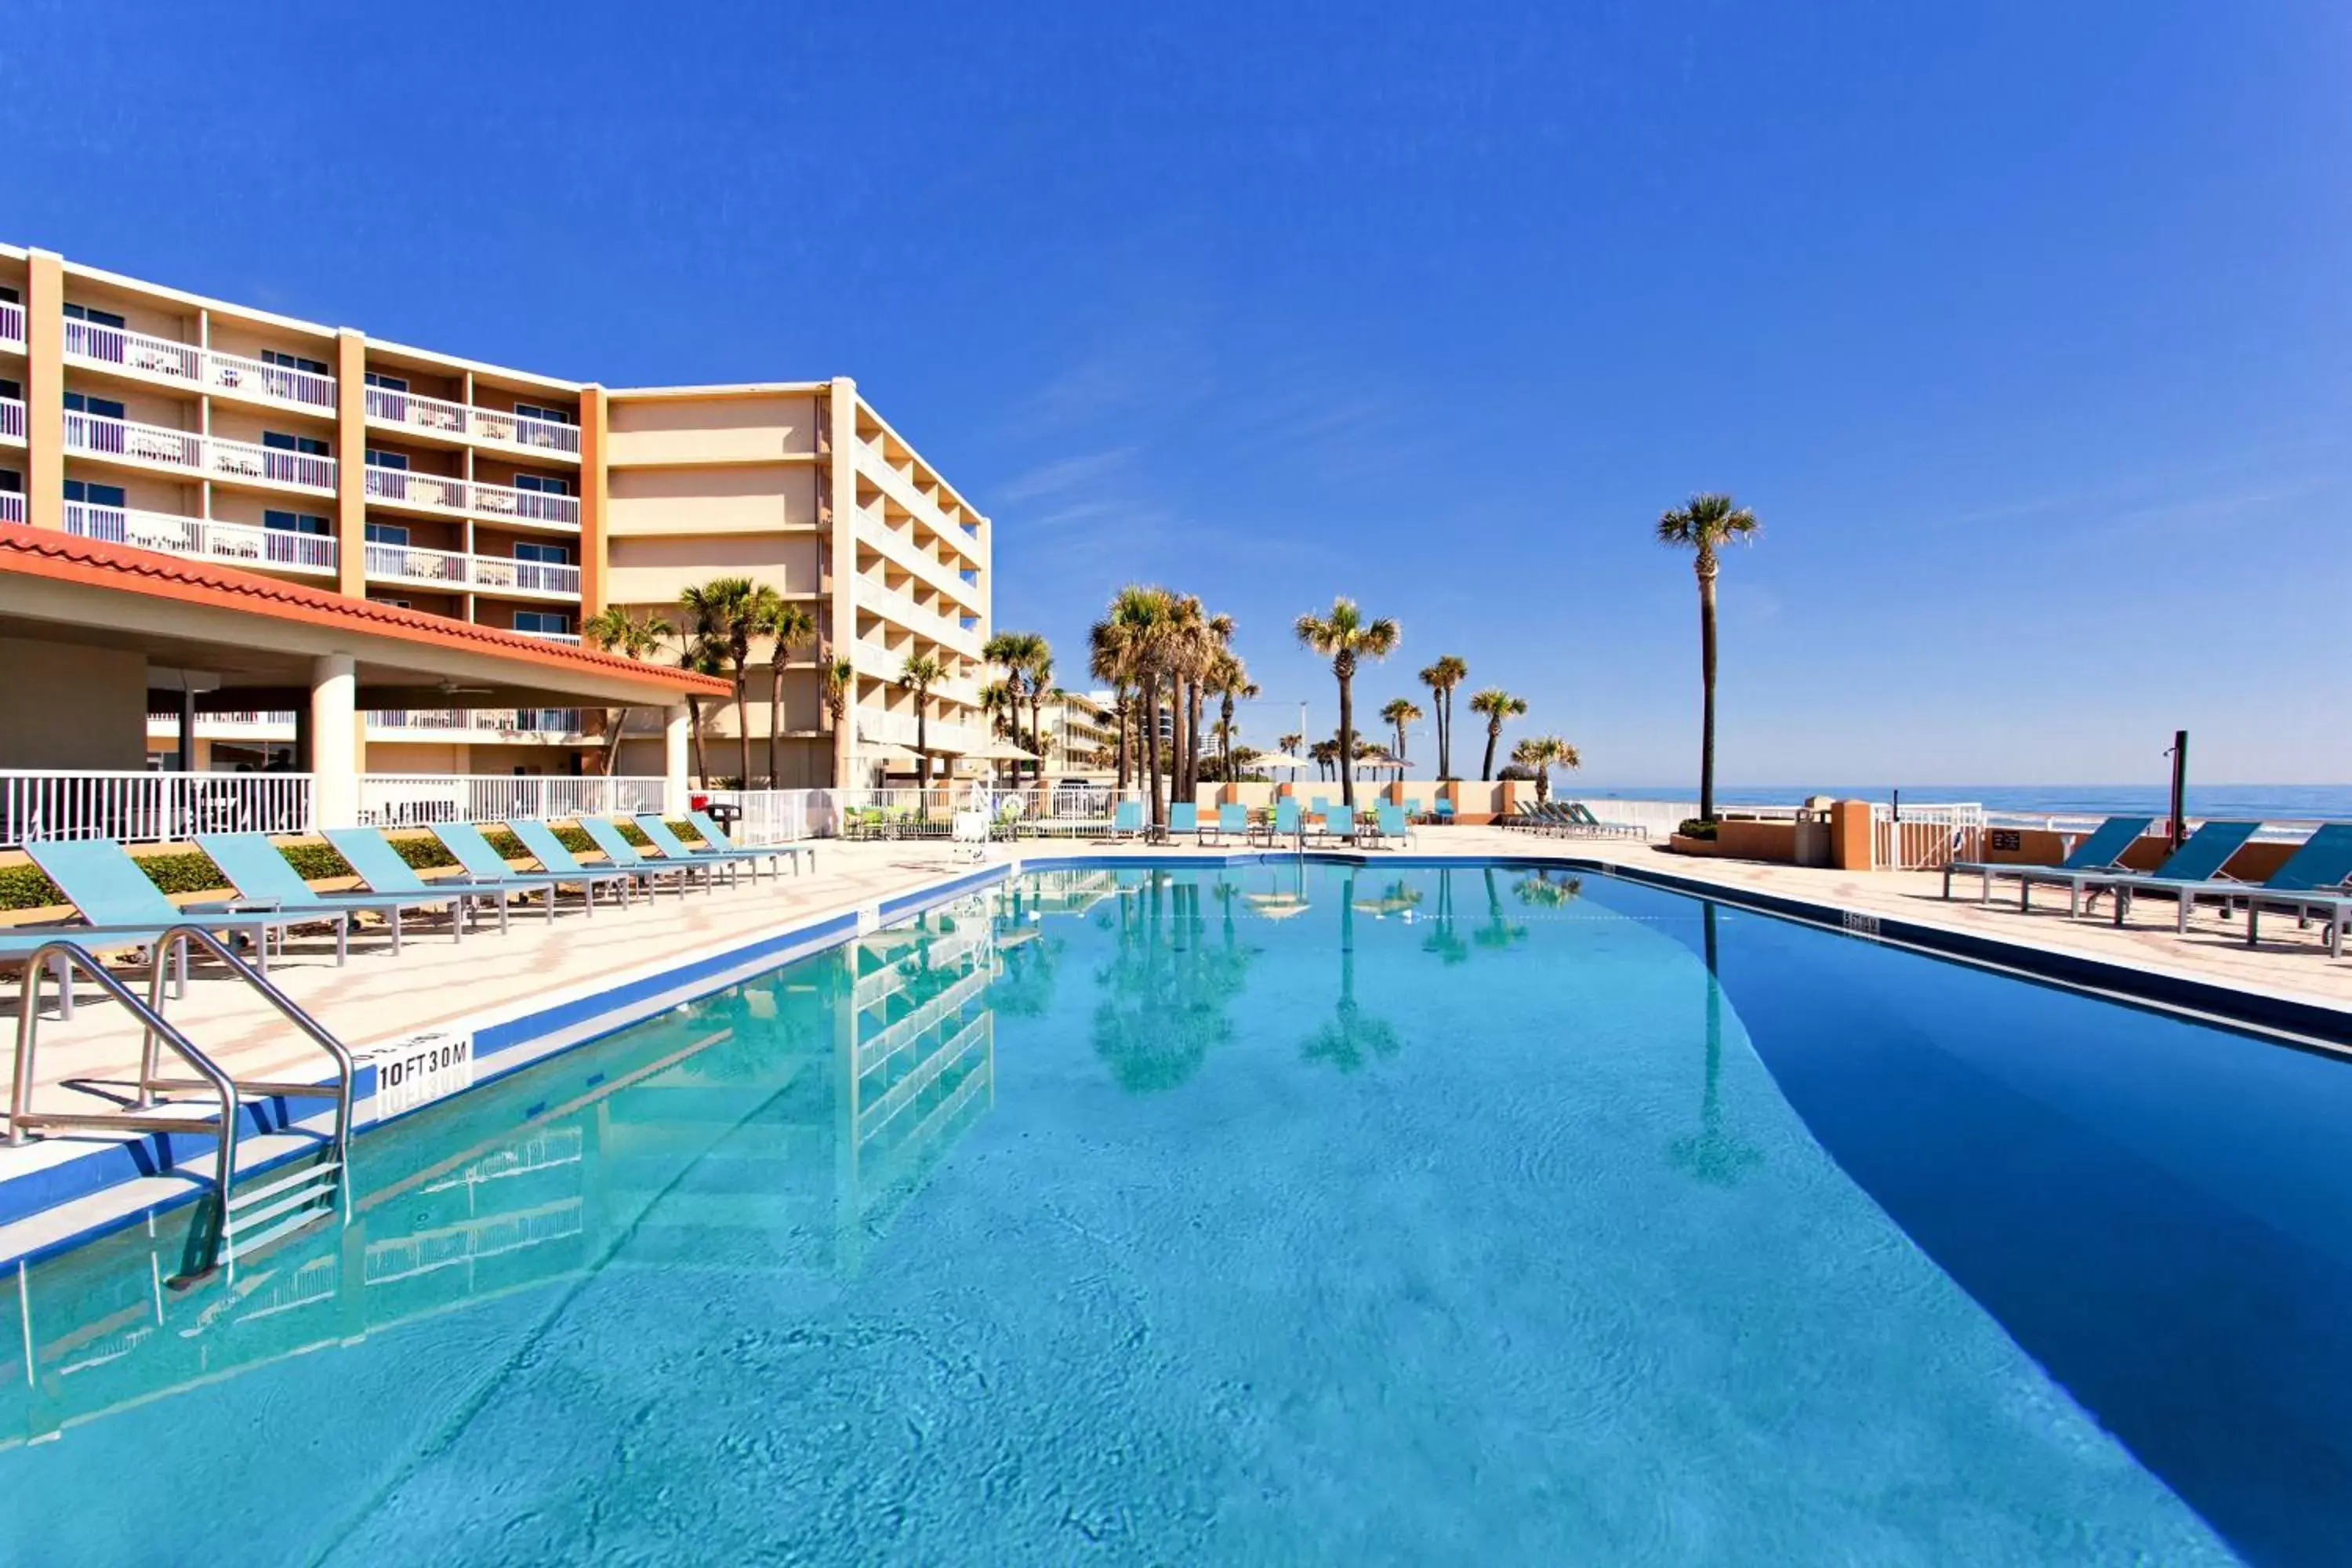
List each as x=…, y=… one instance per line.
x=143, y=416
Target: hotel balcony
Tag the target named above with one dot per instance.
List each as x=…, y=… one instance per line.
x=447, y=569
x=432, y=417
x=12, y=506
x=203, y=539
x=938, y=625
x=905, y=551
x=884, y=664
x=90, y=345
x=539, y=725
x=442, y=496
x=570, y=639
x=12, y=421
x=199, y=456
x=881, y=729
x=11, y=326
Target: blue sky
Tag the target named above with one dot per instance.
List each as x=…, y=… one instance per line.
x=2023, y=328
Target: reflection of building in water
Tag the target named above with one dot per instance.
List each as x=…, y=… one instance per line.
x=1073, y=891
x=778, y=1126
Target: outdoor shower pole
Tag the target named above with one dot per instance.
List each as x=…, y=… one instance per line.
x=2179, y=784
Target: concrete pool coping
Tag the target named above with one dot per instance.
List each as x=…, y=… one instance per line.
x=59, y=1192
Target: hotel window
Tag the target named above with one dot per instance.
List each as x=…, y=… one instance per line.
x=10, y=389
x=11, y=482
x=551, y=415
x=546, y=621
x=543, y=484
x=547, y=554
x=393, y=533
x=97, y=407
x=278, y=441
x=398, y=460
x=96, y=318
x=388, y=383
x=293, y=362
x=89, y=494
x=395, y=604
x=296, y=522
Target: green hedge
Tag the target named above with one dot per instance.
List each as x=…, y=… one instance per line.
x=189, y=871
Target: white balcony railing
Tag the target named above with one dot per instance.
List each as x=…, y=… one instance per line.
x=548, y=721
x=94, y=437
x=244, y=460
x=399, y=799
x=430, y=493
x=12, y=419
x=441, y=417
x=492, y=574
x=939, y=626
x=147, y=808
x=98, y=344
x=12, y=324
x=533, y=506
x=12, y=506
x=275, y=382
x=910, y=553
x=570, y=638
x=879, y=728
x=203, y=539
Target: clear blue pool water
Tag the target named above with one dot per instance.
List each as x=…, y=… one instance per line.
x=1275, y=1214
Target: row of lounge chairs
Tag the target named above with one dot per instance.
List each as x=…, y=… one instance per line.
x=1570, y=818
x=1384, y=826
x=120, y=907
x=2314, y=882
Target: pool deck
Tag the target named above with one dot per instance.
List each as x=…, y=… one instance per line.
x=374, y=1000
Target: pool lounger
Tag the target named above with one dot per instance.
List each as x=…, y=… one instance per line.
x=265, y=880
x=2316, y=880
x=673, y=847
x=2099, y=854
x=716, y=836
x=373, y=858
x=540, y=841
x=680, y=874
x=2197, y=864
x=483, y=863
x=1183, y=817
x=1281, y=824
x=1231, y=820
x=108, y=888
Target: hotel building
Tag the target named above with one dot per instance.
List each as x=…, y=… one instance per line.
x=138, y=415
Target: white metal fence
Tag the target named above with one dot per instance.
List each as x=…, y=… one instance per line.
x=778, y=815
x=147, y=808
x=1926, y=837
x=409, y=799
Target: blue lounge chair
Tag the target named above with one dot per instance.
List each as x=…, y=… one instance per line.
x=1444, y=811
x=2315, y=879
x=1282, y=823
x=1183, y=817
x=1395, y=823
x=2197, y=862
x=2101, y=852
x=752, y=855
x=376, y=863
x=483, y=863
x=110, y=892
x=1340, y=823
x=540, y=840
x=1127, y=822
x=620, y=852
x=664, y=837
x=1231, y=819
x=265, y=880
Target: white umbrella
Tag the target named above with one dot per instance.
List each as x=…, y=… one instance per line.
x=1276, y=760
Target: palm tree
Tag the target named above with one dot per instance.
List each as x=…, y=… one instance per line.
x=1144, y=626
x=839, y=680
x=700, y=656
x=726, y=613
x=1399, y=713
x=1442, y=677
x=1110, y=658
x=920, y=674
x=1497, y=705
x=1704, y=527
x=1027, y=660
x=633, y=634
x=1229, y=679
x=1343, y=637
x=1325, y=755
x=786, y=625
x=1001, y=700
x=1290, y=743
x=1541, y=754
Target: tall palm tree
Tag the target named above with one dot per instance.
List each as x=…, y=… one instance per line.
x=1229, y=679
x=633, y=634
x=921, y=673
x=1704, y=527
x=1541, y=754
x=1020, y=655
x=1399, y=713
x=1144, y=620
x=1343, y=637
x=1290, y=743
x=838, y=677
x=726, y=613
x=700, y=656
x=1325, y=755
x=1497, y=705
x=786, y=625
x=1442, y=677
x=1110, y=658
x=1001, y=700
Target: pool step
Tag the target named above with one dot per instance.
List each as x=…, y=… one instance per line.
x=265, y=1211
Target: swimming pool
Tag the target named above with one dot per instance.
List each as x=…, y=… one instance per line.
x=1276, y=1213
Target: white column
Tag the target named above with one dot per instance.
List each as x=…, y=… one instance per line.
x=675, y=737
x=334, y=741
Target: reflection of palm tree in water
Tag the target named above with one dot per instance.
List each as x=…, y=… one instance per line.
x=1351, y=1036
x=1543, y=892
x=1497, y=932
x=1713, y=1156
x=1166, y=989
x=1445, y=941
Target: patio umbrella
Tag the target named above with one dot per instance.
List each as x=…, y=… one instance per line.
x=1272, y=760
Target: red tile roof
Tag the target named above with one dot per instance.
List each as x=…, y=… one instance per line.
x=65, y=557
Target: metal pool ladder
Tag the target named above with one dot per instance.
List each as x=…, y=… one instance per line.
x=240, y=1221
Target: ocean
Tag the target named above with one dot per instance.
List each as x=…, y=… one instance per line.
x=2267, y=802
